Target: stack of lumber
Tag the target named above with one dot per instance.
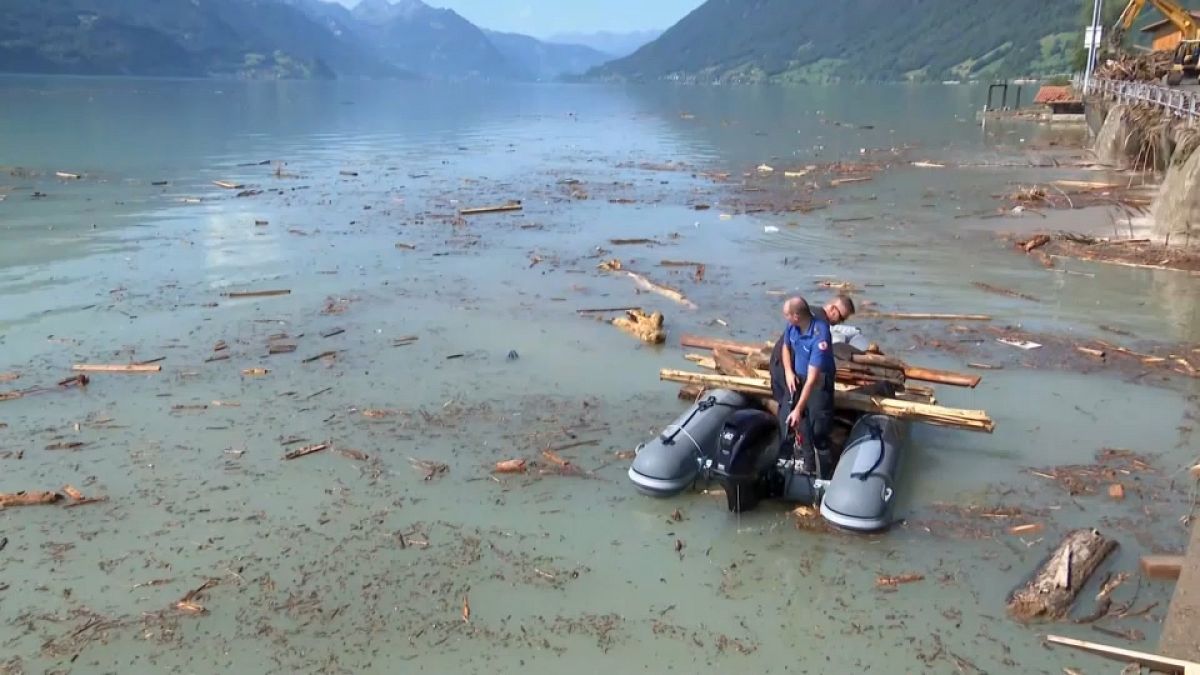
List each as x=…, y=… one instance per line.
x=743, y=367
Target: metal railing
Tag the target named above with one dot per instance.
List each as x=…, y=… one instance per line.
x=1180, y=102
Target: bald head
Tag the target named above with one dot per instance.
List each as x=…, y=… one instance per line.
x=795, y=310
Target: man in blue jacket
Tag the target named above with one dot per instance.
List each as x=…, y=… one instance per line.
x=809, y=373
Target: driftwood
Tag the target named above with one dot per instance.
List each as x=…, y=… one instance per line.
x=258, y=294
x=28, y=498
x=499, y=208
x=665, y=291
x=1051, y=590
x=1154, y=662
x=645, y=327
x=698, y=342
x=116, y=368
x=848, y=398
x=510, y=466
x=307, y=450
x=908, y=372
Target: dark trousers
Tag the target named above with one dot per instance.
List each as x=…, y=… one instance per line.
x=817, y=425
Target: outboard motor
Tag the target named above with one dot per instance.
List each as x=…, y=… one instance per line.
x=745, y=458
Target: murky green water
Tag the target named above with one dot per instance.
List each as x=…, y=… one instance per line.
x=333, y=564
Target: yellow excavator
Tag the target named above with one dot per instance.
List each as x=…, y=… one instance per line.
x=1186, y=61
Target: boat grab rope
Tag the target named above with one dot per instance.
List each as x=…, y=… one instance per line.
x=876, y=435
x=701, y=406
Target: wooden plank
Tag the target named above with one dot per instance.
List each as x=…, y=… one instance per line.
x=257, y=294
x=847, y=398
x=700, y=342
x=1154, y=661
x=1162, y=567
x=116, y=368
x=498, y=208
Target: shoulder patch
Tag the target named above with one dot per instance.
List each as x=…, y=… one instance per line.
x=824, y=346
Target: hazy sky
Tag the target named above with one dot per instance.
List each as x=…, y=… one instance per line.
x=545, y=17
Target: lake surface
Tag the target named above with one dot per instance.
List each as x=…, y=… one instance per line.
x=331, y=563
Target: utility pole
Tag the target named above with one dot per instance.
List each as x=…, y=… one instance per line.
x=1093, y=44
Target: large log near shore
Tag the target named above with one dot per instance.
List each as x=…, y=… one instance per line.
x=1051, y=590
x=849, y=398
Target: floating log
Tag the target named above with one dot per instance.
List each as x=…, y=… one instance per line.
x=942, y=377
x=116, y=368
x=67, y=175
x=1097, y=353
x=1154, y=662
x=632, y=242
x=847, y=398
x=665, y=291
x=1028, y=528
x=728, y=364
x=227, y=185
x=1162, y=567
x=878, y=360
x=11, y=395
x=843, y=181
x=320, y=356
x=307, y=450
x=257, y=294
x=1034, y=243
x=607, y=310
x=921, y=316
x=510, y=466
x=645, y=327
x=1051, y=590
x=499, y=208
x=28, y=498
x=920, y=374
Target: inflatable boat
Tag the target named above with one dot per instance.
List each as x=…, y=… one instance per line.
x=727, y=437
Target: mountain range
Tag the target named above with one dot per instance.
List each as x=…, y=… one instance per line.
x=271, y=39
x=858, y=40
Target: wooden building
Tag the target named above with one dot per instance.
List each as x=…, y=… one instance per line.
x=1164, y=36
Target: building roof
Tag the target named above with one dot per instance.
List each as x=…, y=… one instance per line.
x=1053, y=94
x=1151, y=28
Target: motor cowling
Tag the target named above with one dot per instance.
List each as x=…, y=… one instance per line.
x=746, y=451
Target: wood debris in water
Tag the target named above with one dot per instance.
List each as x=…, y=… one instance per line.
x=1051, y=590
x=32, y=498
x=429, y=468
x=189, y=604
x=116, y=368
x=499, y=208
x=306, y=450
x=894, y=581
x=510, y=466
x=258, y=294
x=645, y=327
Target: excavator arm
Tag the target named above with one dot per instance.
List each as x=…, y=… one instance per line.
x=1170, y=9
